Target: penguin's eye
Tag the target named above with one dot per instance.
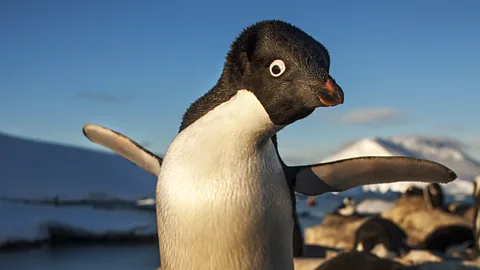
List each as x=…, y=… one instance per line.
x=277, y=68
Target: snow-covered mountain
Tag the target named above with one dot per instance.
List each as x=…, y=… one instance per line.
x=442, y=150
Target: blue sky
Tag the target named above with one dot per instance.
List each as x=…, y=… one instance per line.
x=406, y=67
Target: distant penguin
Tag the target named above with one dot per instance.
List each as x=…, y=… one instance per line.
x=347, y=208
x=476, y=215
x=474, y=252
x=433, y=195
x=465, y=209
x=240, y=213
x=337, y=229
x=413, y=191
x=360, y=260
x=381, y=237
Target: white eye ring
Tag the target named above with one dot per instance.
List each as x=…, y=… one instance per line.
x=277, y=68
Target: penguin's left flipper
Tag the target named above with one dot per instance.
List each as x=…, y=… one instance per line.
x=345, y=174
x=124, y=146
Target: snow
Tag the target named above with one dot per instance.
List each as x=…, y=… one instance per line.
x=442, y=150
x=146, y=202
x=374, y=206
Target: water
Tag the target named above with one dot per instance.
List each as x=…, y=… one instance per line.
x=107, y=257
x=131, y=256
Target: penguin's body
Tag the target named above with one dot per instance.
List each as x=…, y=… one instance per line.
x=360, y=260
x=412, y=191
x=234, y=190
x=433, y=195
x=473, y=251
x=381, y=237
x=224, y=196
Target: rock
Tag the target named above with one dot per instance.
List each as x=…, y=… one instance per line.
x=307, y=264
x=335, y=231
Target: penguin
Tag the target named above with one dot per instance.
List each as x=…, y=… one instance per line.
x=360, y=260
x=463, y=209
x=381, y=237
x=433, y=195
x=337, y=229
x=434, y=198
x=473, y=251
x=239, y=211
x=150, y=162
x=412, y=191
x=476, y=218
x=417, y=205
x=347, y=208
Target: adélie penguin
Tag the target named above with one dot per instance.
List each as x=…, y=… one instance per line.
x=150, y=162
x=224, y=196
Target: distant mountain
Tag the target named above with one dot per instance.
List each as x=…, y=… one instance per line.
x=445, y=151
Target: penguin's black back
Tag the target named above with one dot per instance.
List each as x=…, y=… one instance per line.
x=412, y=191
x=359, y=261
x=377, y=230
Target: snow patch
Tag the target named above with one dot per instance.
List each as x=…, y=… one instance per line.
x=374, y=206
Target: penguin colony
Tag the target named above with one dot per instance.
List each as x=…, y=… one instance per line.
x=384, y=238
x=224, y=197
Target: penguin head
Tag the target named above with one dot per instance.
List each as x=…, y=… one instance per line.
x=348, y=201
x=347, y=208
x=284, y=67
x=413, y=191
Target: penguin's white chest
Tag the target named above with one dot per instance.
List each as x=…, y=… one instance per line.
x=222, y=198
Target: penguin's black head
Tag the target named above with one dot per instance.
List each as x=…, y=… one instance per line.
x=348, y=201
x=286, y=69
x=413, y=191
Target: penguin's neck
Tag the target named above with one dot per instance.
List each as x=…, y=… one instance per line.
x=242, y=119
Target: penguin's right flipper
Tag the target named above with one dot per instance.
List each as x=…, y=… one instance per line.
x=340, y=175
x=124, y=146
